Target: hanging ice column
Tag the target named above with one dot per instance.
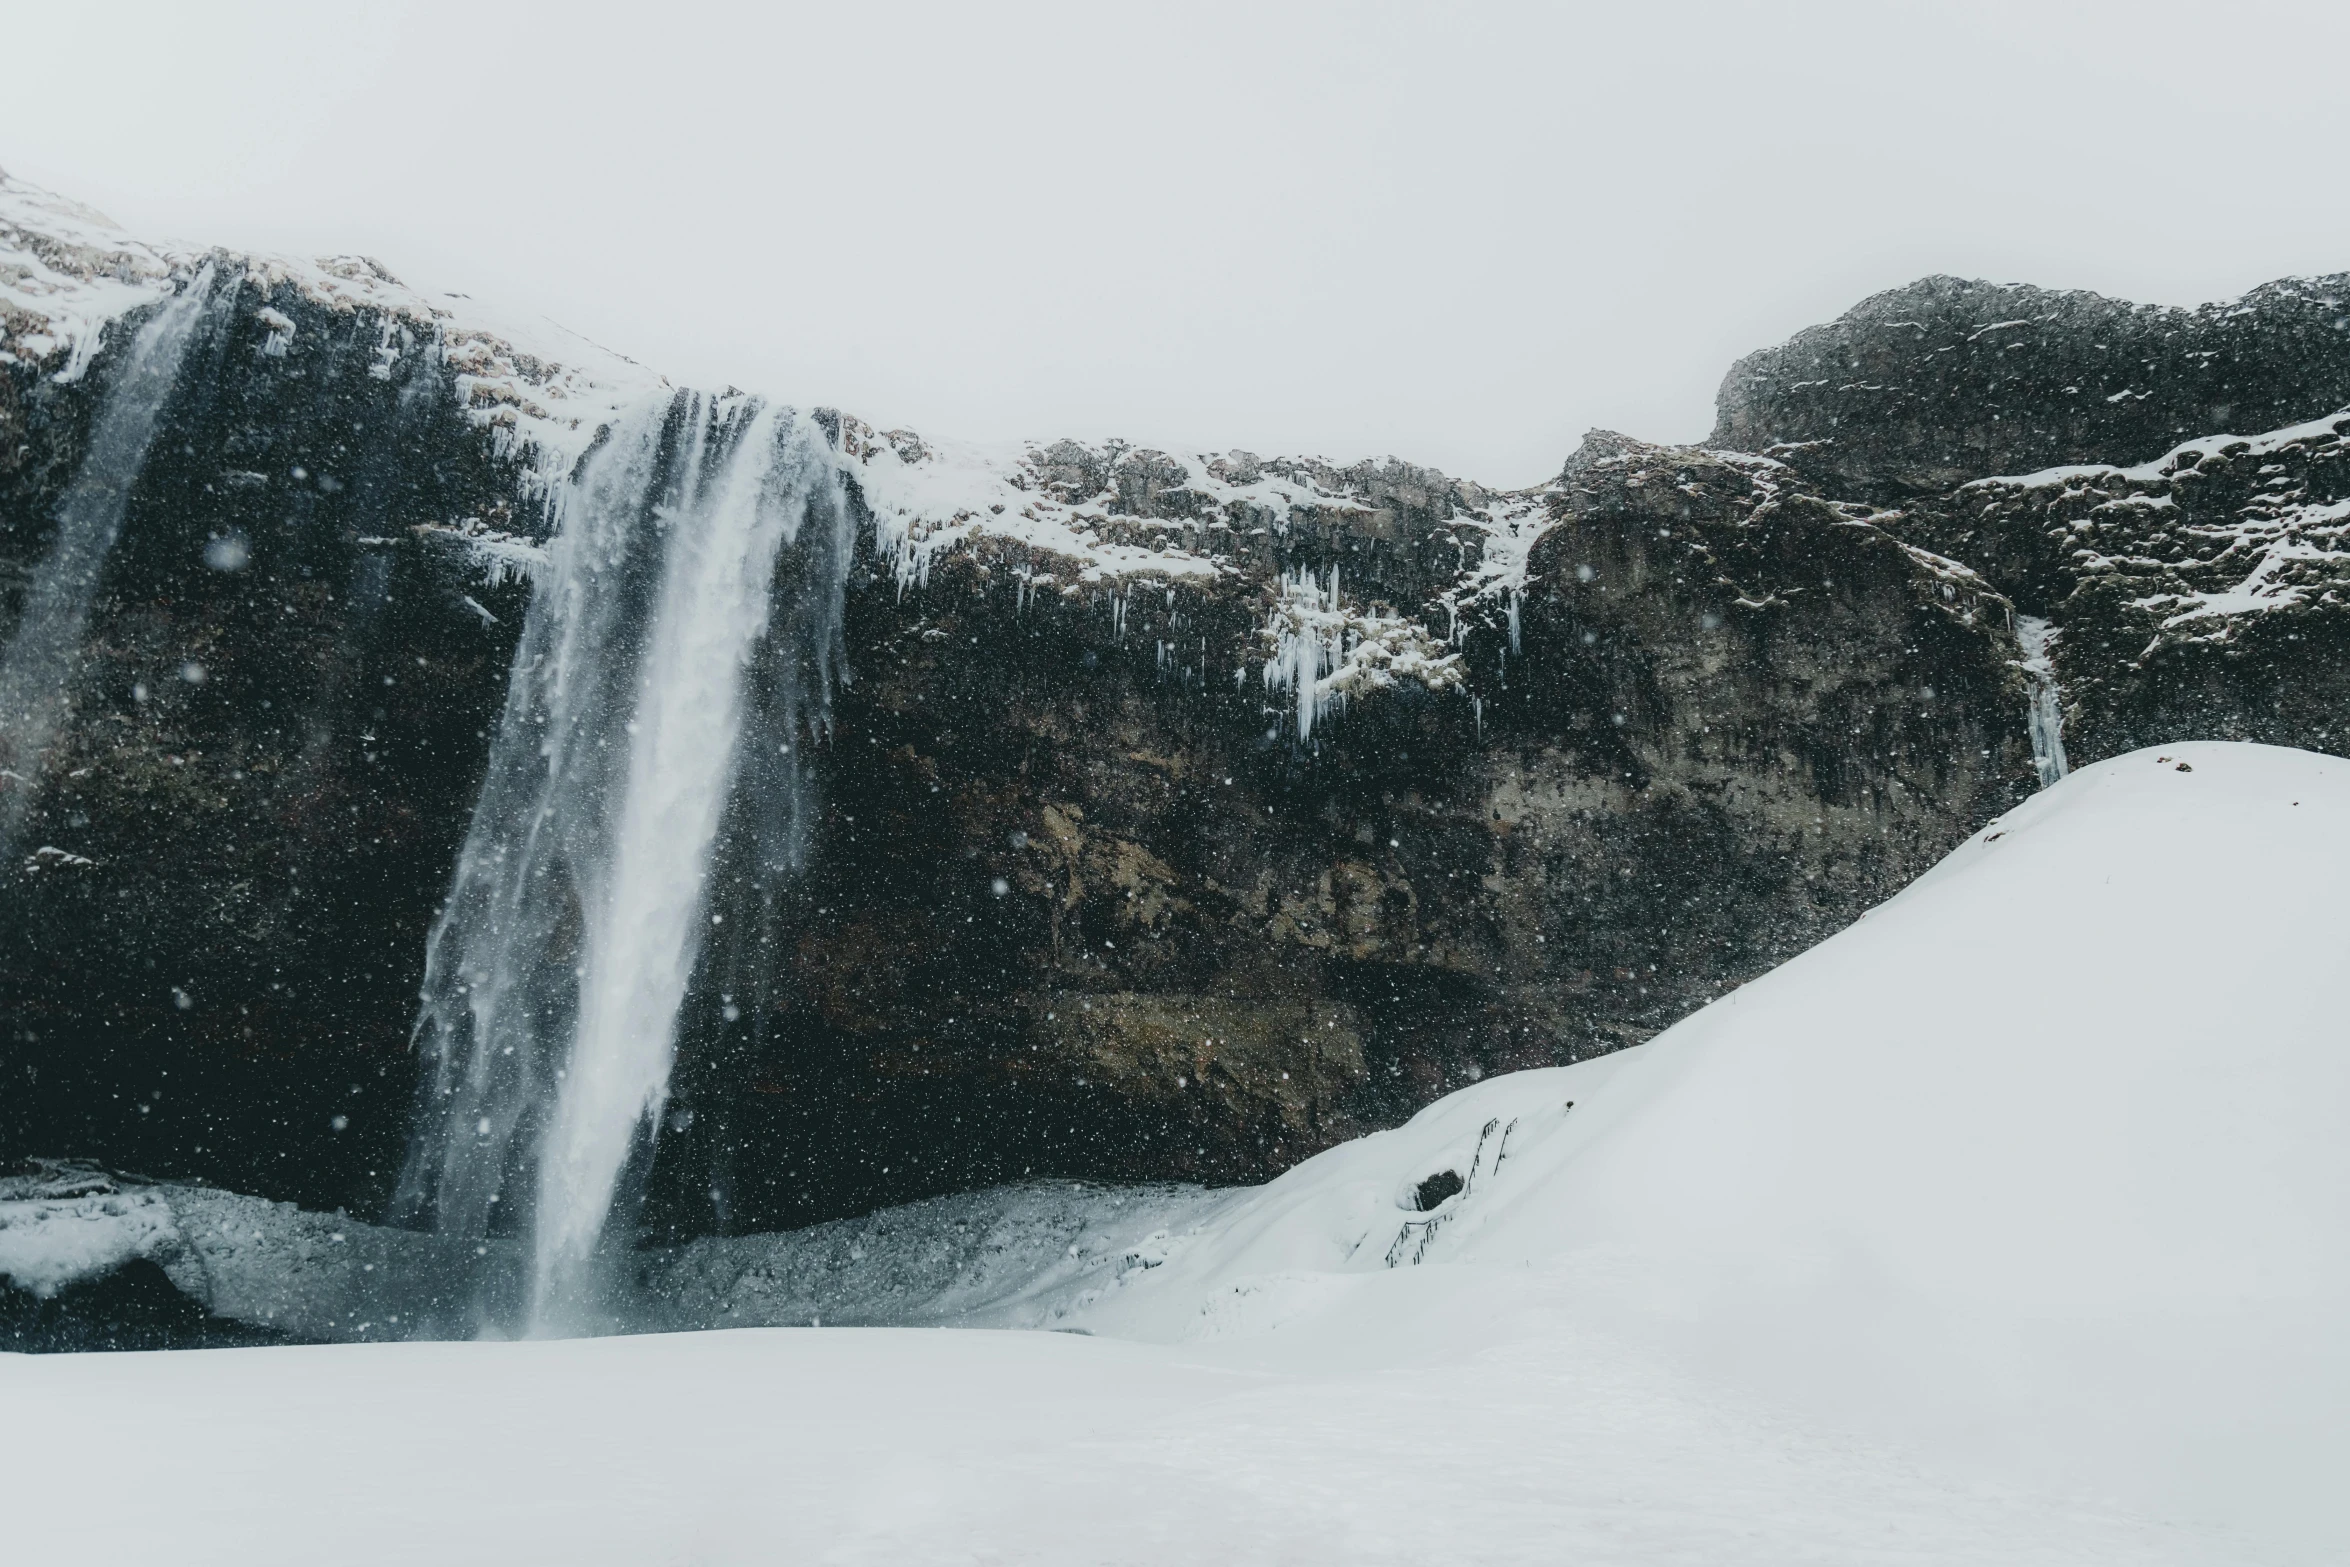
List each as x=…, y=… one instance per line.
x=1322, y=649
x=37, y=666
x=2046, y=715
x=556, y=974
x=1308, y=633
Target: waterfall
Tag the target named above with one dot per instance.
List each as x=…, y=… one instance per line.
x=682, y=640
x=36, y=669
x=2046, y=715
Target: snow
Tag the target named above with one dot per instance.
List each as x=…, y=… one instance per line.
x=929, y=497
x=2266, y=544
x=65, y=271
x=2282, y=549
x=50, y=1243
x=2184, y=455
x=2010, y=1225
x=1010, y=1256
x=1508, y=527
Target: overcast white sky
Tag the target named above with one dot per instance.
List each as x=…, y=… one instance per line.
x=1463, y=234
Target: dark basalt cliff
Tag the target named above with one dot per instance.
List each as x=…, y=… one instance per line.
x=2198, y=579
x=1737, y=716
x=1086, y=897
x=1919, y=389
x=213, y=926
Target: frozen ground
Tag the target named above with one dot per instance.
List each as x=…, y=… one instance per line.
x=2006, y=1227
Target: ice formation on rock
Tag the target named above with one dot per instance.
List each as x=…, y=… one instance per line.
x=1322, y=649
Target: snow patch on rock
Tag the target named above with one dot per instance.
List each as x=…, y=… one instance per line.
x=2280, y=542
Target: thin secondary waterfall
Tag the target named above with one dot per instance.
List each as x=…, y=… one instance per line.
x=680, y=642
x=36, y=669
x=2046, y=715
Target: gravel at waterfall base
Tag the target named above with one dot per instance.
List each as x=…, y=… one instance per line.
x=2011, y=1225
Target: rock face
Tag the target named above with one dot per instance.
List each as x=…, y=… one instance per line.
x=2203, y=595
x=1920, y=389
x=267, y=765
x=1080, y=906
x=2195, y=579
x=1180, y=814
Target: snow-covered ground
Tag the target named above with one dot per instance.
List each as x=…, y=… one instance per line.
x=2012, y=1225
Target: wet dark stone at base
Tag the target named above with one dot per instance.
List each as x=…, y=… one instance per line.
x=135, y=1307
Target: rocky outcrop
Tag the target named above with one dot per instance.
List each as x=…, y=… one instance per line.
x=1920, y=389
x=2193, y=578
x=2204, y=595
x=1084, y=904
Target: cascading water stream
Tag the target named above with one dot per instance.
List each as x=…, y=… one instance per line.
x=694, y=582
x=36, y=669
x=2046, y=715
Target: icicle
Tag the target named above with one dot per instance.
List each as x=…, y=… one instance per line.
x=390, y=339
x=1307, y=646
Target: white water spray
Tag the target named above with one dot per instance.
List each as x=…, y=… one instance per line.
x=36, y=669
x=642, y=944
x=556, y=976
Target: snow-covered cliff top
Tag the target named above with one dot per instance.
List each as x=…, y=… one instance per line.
x=1093, y=515
x=67, y=271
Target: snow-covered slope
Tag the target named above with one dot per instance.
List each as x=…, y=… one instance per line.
x=2045, y=1158
x=2029, y=1188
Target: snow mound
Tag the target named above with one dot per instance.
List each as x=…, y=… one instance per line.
x=62, y=1227
x=2043, y=1160
x=1010, y=1256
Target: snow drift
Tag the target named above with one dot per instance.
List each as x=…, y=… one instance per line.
x=2028, y=1188
x=2044, y=1158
